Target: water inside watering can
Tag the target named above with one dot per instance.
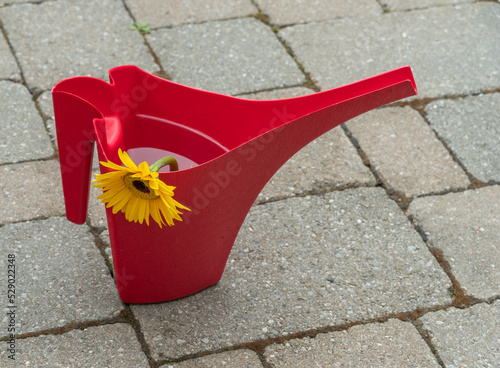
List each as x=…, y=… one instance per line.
x=151, y=155
x=189, y=146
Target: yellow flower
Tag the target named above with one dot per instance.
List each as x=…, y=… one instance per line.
x=138, y=192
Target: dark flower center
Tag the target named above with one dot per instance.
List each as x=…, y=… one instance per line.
x=140, y=186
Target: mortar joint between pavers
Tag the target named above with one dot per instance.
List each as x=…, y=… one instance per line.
x=474, y=182
x=146, y=42
x=264, y=18
x=385, y=8
x=54, y=156
x=399, y=198
x=460, y=299
x=38, y=218
x=309, y=83
x=313, y=192
x=271, y=89
x=420, y=104
x=35, y=91
x=101, y=246
x=17, y=81
x=45, y=120
x=259, y=346
x=13, y=52
x=120, y=318
x=48, y=158
x=364, y=157
x=458, y=190
x=261, y=16
x=127, y=312
x=457, y=293
x=426, y=336
x=140, y=336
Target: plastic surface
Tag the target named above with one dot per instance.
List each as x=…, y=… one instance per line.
x=238, y=145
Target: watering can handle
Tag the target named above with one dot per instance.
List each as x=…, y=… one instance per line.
x=77, y=102
x=75, y=138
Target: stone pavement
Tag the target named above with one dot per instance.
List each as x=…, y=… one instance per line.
x=377, y=245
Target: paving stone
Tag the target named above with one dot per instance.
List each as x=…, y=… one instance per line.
x=466, y=337
x=110, y=346
x=232, y=57
x=22, y=133
x=471, y=128
x=31, y=190
x=391, y=344
x=96, y=209
x=330, y=161
x=406, y=154
x=62, y=277
x=465, y=227
x=299, y=264
x=8, y=65
x=399, y=5
x=167, y=13
x=60, y=39
x=284, y=12
x=452, y=50
x=233, y=359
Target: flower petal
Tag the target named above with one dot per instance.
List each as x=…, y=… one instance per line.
x=127, y=161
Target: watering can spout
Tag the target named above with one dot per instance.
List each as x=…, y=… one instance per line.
x=235, y=146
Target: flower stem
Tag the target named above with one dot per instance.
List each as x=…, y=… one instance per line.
x=169, y=160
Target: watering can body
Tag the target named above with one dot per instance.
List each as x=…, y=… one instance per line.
x=234, y=147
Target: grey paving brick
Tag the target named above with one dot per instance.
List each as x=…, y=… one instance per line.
x=471, y=128
x=404, y=151
x=62, y=277
x=400, y=5
x=8, y=65
x=303, y=263
x=331, y=161
x=282, y=12
x=233, y=359
x=61, y=39
x=167, y=13
x=96, y=209
x=391, y=344
x=110, y=346
x=466, y=337
x=465, y=227
x=328, y=162
x=232, y=57
x=30, y=190
x=22, y=132
x=451, y=50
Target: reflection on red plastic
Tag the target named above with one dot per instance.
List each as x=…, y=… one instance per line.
x=237, y=146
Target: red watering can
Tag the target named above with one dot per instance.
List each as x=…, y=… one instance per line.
x=228, y=148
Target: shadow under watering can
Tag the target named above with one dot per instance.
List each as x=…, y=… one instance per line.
x=228, y=148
